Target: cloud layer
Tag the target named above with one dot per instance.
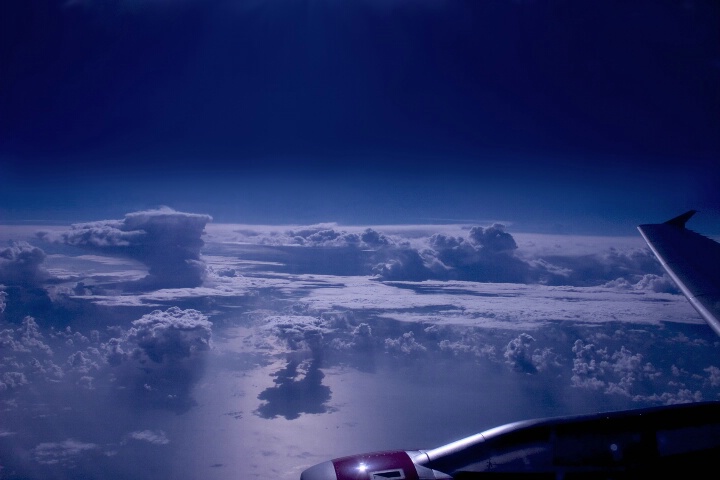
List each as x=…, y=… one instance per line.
x=467, y=253
x=314, y=332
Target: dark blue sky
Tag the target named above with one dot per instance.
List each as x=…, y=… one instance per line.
x=395, y=110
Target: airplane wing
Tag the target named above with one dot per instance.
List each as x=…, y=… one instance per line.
x=681, y=440
x=692, y=261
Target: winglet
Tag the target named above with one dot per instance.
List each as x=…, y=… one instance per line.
x=681, y=220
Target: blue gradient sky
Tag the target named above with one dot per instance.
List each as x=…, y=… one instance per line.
x=557, y=117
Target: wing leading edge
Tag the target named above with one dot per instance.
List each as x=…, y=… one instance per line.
x=691, y=260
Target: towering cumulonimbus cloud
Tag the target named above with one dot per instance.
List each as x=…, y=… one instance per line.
x=21, y=265
x=22, y=276
x=165, y=240
x=158, y=360
x=171, y=335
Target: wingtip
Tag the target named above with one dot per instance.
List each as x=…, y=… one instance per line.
x=681, y=220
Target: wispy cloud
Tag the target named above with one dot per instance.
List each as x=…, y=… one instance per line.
x=155, y=437
x=65, y=453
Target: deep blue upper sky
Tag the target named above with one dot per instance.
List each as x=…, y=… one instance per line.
x=418, y=110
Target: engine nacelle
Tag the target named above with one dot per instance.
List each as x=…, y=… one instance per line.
x=392, y=465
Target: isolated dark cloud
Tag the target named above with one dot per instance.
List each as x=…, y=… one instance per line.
x=298, y=389
x=165, y=240
x=298, y=386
